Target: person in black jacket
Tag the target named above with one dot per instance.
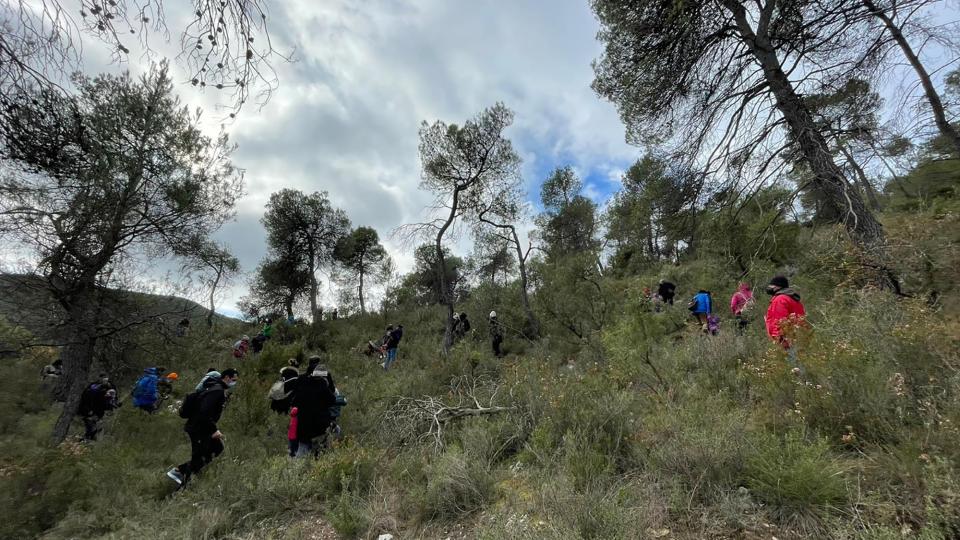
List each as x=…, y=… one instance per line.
x=206, y=441
x=313, y=394
x=666, y=291
x=97, y=398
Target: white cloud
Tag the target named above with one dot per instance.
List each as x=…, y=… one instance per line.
x=346, y=115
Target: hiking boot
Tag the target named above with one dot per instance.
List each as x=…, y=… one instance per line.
x=176, y=476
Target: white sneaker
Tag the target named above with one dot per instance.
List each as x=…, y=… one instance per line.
x=176, y=476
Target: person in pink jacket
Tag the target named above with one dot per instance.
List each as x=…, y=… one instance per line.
x=741, y=303
x=294, y=445
x=785, y=311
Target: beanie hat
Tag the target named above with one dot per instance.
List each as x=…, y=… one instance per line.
x=173, y=376
x=780, y=281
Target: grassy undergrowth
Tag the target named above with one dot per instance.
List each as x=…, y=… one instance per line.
x=643, y=429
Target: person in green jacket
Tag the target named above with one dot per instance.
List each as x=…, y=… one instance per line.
x=267, y=328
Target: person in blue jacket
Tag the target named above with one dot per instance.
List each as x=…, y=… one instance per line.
x=145, y=394
x=702, y=306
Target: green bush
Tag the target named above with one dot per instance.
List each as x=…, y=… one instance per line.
x=799, y=478
x=457, y=485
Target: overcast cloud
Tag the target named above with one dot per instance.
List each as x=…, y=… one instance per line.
x=366, y=74
x=346, y=115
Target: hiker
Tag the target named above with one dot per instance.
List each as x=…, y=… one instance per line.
x=202, y=410
x=212, y=373
x=496, y=334
x=392, y=344
x=314, y=393
x=666, y=291
x=279, y=397
x=182, y=327
x=240, y=348
x=97, y=398
x=702, y=307
x=461, y=325
x=165, y=384
x=256, y=345
x=741, y=305
x=51, y=373
x=785, y=311
x=145, y=396
x=267, y=328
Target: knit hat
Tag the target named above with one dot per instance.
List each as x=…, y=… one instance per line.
x=780, y=281
x=173, y=376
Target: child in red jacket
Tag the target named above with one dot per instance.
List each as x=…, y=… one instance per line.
x=785, y=311
x=292, y=433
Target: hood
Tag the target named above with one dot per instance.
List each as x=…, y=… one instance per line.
x=788, y=292
x=210, y=382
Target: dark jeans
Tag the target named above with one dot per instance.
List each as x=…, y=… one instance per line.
x=203, y=448
x=92, y=425
x=496, y=346
x=293, y=445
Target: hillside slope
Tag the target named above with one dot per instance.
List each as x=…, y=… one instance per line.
x=643, y=429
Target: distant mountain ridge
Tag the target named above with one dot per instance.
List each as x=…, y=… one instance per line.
x=25, y=302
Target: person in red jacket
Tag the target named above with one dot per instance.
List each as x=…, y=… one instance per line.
x=785, y=310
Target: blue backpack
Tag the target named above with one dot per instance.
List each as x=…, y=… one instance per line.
x=145, y=391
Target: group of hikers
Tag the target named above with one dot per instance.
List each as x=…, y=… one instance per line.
x=245, y=345
x=784, y=312
x=462, y=328
x=386, y=347
x=310, y=399
x=313, y=403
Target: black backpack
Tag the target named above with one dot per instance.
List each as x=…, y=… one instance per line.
x=191, y=404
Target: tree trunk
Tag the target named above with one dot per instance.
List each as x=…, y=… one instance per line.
x=77, y=357
x=533, y=325
x=446, y=296
x=213, y=292
x=859, y=222
x=360, y=290
x=288, y=306
x=861, y=177
x=314, y=285
x=936, y=104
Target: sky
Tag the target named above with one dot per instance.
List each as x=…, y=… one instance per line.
x=366, y=74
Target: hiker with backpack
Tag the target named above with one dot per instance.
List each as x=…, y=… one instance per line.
x=51, y=372
x=666, y=291
x=741, y=305
x=145, y=394
x=96, y=400
x=461, y=325
x=785, y=314
x=393, y=342
x=202, y=411
x=240, y=348
x=496, y=334
x=257, y=343
x=313, y=394
x=701, y=306
x=279, y=397
x=212, y=373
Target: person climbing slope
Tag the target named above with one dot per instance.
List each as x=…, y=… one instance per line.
x=145, y=394
x=395, y=336
x=701, y=306
x=313, y=394
x=785, y=314
x=741, y=304
x=241, y=347
x=496, y=334
x=203, y=410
